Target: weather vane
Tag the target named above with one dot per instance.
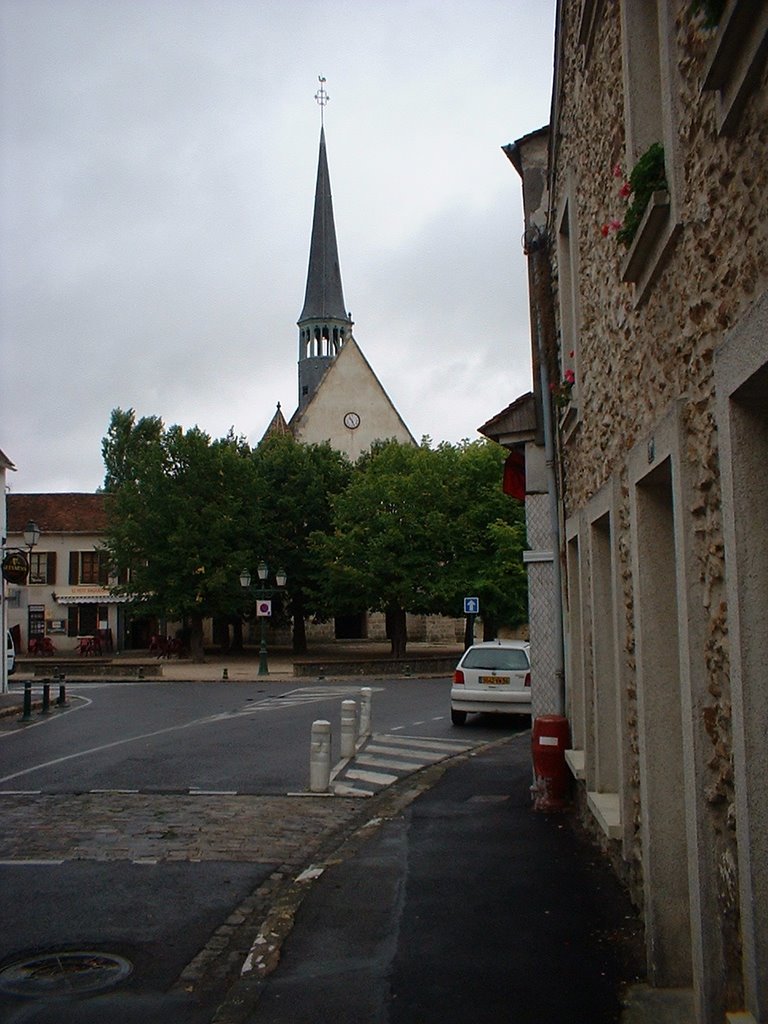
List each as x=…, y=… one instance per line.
x=322, y=97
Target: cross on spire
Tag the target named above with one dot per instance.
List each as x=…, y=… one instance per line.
x=322, y=98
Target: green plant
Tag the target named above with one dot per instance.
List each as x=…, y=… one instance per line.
x=648, y=176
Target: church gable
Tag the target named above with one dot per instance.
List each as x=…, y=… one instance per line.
x=350, y=409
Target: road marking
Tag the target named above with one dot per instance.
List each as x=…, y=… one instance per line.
x=212, y=792
x=378, y=748
x=31, y=863
x=377, y=778
x=388, y=762
x=403, y=754
x=428, y=743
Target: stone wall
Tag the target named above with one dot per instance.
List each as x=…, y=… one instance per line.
x=639, y=355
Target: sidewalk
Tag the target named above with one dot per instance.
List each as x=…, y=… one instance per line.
x=457, y=904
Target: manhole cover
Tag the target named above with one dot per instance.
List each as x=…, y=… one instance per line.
x=53, y=974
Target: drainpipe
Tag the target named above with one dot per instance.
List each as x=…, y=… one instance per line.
x=535, y=252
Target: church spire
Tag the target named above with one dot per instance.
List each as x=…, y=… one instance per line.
x=324, y=324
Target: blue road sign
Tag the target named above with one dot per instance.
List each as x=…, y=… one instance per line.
x=471, y=605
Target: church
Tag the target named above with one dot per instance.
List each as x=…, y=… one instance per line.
x=341, y=400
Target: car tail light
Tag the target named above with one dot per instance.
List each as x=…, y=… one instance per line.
x=527, y=679
x=458, y=676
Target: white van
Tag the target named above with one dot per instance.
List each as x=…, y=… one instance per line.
x=10, y=653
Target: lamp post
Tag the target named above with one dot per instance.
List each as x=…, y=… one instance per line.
x=264, y=595
x=15, y=574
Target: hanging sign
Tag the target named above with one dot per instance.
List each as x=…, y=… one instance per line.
x=15, y=567
x=263, y=608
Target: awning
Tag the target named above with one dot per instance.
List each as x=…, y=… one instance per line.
x=88, y=595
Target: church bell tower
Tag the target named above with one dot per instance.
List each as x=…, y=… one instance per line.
x=324, y=324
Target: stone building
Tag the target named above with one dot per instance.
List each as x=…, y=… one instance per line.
x=650, y=338
x=67, y=599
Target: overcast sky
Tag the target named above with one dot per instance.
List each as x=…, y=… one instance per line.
x=158, y=162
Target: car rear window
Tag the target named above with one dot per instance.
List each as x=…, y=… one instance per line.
x=511, y=659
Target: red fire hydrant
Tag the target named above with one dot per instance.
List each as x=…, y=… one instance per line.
x=551, y=738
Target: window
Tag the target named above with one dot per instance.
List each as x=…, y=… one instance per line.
x=42, y=567
x=86, y=619
x=738, y=55
x=568, y=296
x=88, y=567
x=647, y=28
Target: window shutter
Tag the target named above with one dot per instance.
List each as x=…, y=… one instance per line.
x=51, y=577
x=74, y=569
x=103, y=569
x=72, y=619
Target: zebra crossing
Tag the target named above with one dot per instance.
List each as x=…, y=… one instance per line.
x=384, y=758
x=297, y=698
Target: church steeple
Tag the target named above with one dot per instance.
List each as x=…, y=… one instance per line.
x=324, y=324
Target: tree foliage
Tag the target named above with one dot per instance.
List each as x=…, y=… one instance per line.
x=179, y=517
x=419, y=528
x=407, y=529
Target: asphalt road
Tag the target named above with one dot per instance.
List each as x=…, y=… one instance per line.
x=222, y=736
x=141, y=818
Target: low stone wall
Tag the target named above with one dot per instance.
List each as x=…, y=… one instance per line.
x=437, y=666
x=84, y=667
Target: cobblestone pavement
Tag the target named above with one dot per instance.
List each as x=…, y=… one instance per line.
x=287, y=831
x=167, y=827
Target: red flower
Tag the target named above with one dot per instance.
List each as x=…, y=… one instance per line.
x=604, y=230
x=615, y=225
x=570, y=377
x=617, y=171
x=625, y=190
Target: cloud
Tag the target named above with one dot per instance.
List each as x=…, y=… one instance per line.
x=158, y=164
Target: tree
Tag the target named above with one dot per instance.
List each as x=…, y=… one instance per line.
x=419, y=528
x=297, y=483
x=180, y=517
x=491, y=538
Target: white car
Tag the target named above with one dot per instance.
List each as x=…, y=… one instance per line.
x=493, y=677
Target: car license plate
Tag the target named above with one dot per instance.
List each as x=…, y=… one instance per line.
x=494, y=680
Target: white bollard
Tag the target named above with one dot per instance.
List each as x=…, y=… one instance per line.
x=320, y=757
x=348, y=728
x=366, y=712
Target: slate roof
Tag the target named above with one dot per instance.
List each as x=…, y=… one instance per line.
x=324, y=297
x=57, y=513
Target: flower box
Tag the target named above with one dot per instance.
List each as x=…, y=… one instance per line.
x=643, y=250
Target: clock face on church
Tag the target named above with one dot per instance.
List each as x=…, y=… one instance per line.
x=352, y=420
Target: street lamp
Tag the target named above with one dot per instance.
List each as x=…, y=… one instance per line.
x=31, y=534
x=264, y=596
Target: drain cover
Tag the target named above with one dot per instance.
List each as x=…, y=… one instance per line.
x=53, y=974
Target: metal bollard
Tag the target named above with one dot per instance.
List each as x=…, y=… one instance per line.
x=320, y=757
x=225, y=674
x=366, y=711
x=62, y=698
x=46, y=708
x=348, y=728
x=141, y=672
x=27, y=709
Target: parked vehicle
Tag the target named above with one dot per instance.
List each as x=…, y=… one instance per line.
x=492, y=677
x=10, y=653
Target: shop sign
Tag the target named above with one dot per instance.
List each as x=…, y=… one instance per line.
x=15, y=567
